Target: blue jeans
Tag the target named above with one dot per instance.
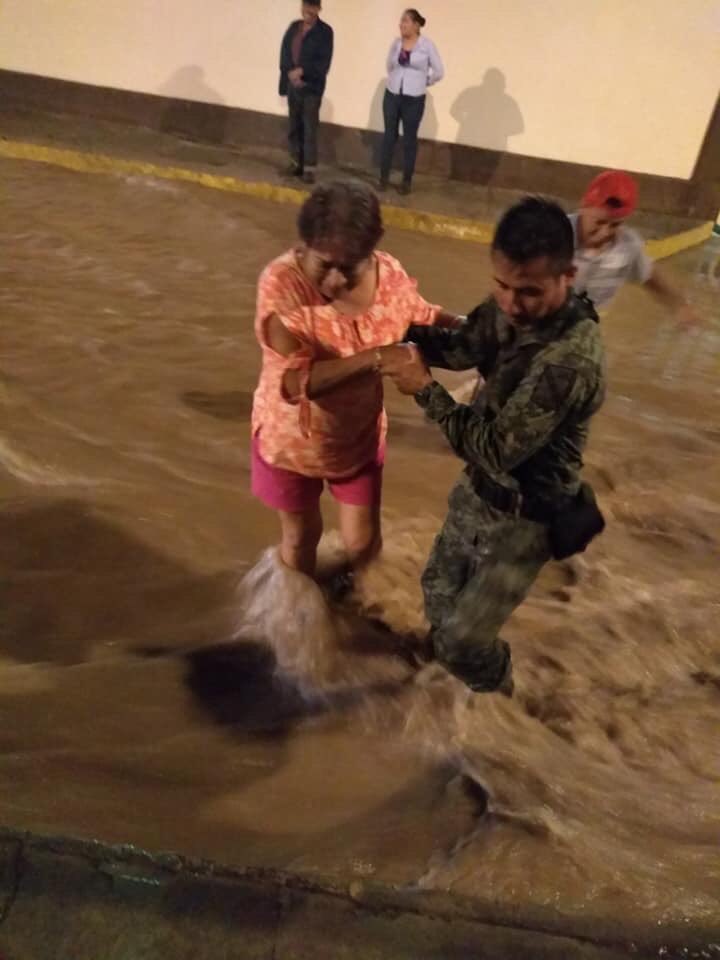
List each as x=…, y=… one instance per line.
x=397, y=108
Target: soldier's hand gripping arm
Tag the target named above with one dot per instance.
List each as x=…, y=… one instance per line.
x=552, y=389
x=466, y=347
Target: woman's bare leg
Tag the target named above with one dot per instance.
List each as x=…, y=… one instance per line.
x=301, y=534
x=361, y=533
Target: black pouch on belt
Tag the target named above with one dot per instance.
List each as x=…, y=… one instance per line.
x=572, y=529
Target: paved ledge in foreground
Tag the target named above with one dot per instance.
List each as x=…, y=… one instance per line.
x=67, y=899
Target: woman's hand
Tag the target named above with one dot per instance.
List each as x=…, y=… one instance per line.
x=393, y=359
x=404, y=364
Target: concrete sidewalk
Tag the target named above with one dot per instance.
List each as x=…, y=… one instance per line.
x=72, y=900
x=438, y=206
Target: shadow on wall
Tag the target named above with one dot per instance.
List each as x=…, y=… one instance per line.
x=197, y=112
x=429, y=126
x=372, y=140
x=487, y=116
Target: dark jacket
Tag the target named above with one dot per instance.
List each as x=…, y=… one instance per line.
x=315, y=57
x=528, y=427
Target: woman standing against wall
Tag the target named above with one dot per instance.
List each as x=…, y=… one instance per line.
x=413, y=65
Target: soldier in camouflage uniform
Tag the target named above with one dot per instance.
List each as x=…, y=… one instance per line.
x=539, y=349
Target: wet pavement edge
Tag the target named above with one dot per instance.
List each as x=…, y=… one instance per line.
x=418, y=221
x=73, y=899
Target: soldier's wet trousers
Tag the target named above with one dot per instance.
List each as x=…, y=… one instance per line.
x=481, y=567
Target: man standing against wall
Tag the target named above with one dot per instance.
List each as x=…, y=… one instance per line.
x=305, y=57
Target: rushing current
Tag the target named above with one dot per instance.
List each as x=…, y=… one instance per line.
x=164, y=681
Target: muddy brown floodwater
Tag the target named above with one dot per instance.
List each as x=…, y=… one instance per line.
x=126, y=373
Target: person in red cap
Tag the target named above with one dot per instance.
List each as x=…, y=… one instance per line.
x=609, y=254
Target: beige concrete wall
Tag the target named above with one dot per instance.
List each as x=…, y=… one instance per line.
x=626, y=83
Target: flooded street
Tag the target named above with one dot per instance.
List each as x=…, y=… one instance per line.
x=127, y=365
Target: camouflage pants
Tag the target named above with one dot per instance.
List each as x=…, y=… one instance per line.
x=481, y=567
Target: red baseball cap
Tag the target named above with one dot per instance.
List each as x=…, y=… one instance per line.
x=612, y=185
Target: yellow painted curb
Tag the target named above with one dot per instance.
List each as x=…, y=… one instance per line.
x=418, y=221
x=438, y=225
x=667, y=246
x=101, y=163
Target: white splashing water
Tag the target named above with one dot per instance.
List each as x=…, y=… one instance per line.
x=587, y=766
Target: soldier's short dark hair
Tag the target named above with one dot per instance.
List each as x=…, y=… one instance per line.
x=343, y=212
x=533, y=228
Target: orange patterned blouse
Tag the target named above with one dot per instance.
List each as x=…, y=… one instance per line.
x=337, y=434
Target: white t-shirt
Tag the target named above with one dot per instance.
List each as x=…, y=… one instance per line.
x=601, y=273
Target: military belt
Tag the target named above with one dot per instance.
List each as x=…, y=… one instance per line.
x=511, y=501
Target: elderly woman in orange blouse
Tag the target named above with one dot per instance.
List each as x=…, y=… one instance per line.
x=330, y=313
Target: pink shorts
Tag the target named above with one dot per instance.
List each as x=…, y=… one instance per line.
x=293, y=493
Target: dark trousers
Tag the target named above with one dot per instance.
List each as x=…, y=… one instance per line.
x=304, y=119
x=481, y=567
x=397, y=109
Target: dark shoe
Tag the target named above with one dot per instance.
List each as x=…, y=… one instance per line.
x=405, y=188
x=293, y=170
x=309, y=176
x=382, y=186
x=340, y=585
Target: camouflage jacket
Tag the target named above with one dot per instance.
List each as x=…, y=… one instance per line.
x=527, y=428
